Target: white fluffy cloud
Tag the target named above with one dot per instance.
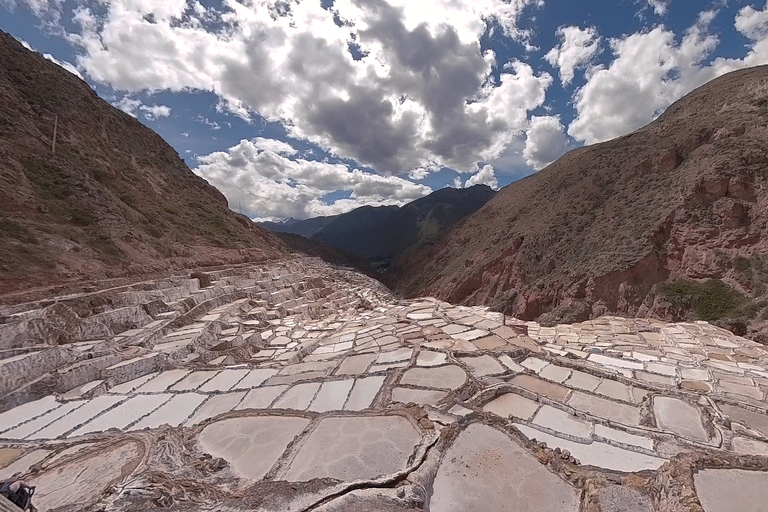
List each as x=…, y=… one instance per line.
x=484, y=176
x=752, y=23
x=651, y=70
x=418, y=93
x=134, y=106
x=659, y=6
x=128, y=105
x=545, y=141
x=258, y=178
x=576, y=49
x=418, y=174
x=275, y=146
x=155, y=111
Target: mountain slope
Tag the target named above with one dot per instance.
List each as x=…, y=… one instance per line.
x=680, y=200
x=113, y=200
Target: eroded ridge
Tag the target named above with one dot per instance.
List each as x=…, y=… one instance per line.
x=299, y=386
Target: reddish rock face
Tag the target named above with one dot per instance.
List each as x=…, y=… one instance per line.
x=597, y=230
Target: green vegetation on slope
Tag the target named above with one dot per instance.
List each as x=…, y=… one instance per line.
x=710, y=300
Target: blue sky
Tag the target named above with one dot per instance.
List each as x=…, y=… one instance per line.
x=310, y=107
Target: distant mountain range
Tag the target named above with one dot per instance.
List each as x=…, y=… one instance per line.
x=382, y=233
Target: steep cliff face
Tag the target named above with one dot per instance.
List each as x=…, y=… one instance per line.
x=609, y=227
x=113, y=200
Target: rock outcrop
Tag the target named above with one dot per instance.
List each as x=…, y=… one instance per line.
x=642, y=224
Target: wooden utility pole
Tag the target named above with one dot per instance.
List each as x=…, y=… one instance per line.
x=55, y=127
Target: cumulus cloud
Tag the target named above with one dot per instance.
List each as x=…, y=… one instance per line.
x=651, y=70
x=659, y=6
x=418, y=174
x=275, y=146
x=752, y=23
x=134, y=106
x=128, y=105
x=262, y=180
x=419, y=91
x=545, y=141
x=154, y=112
x=576, y=49
x=484, y=176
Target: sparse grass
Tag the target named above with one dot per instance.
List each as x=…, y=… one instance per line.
x=752, y=273
x=81, y=217
x=104, y=245
x=153, y=231
x=6, y=124
x=12, y=229
x=49, y=182
x=113, y=188
x=128, y=199
x=710, y=300
x=212, y=224
x=56, y=190
x=762, y=105
x=741, y=264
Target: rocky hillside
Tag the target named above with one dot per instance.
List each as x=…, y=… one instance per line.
x=113, y=200
x=669, y=221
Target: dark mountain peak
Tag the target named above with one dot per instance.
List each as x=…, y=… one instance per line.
x=381, y=233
